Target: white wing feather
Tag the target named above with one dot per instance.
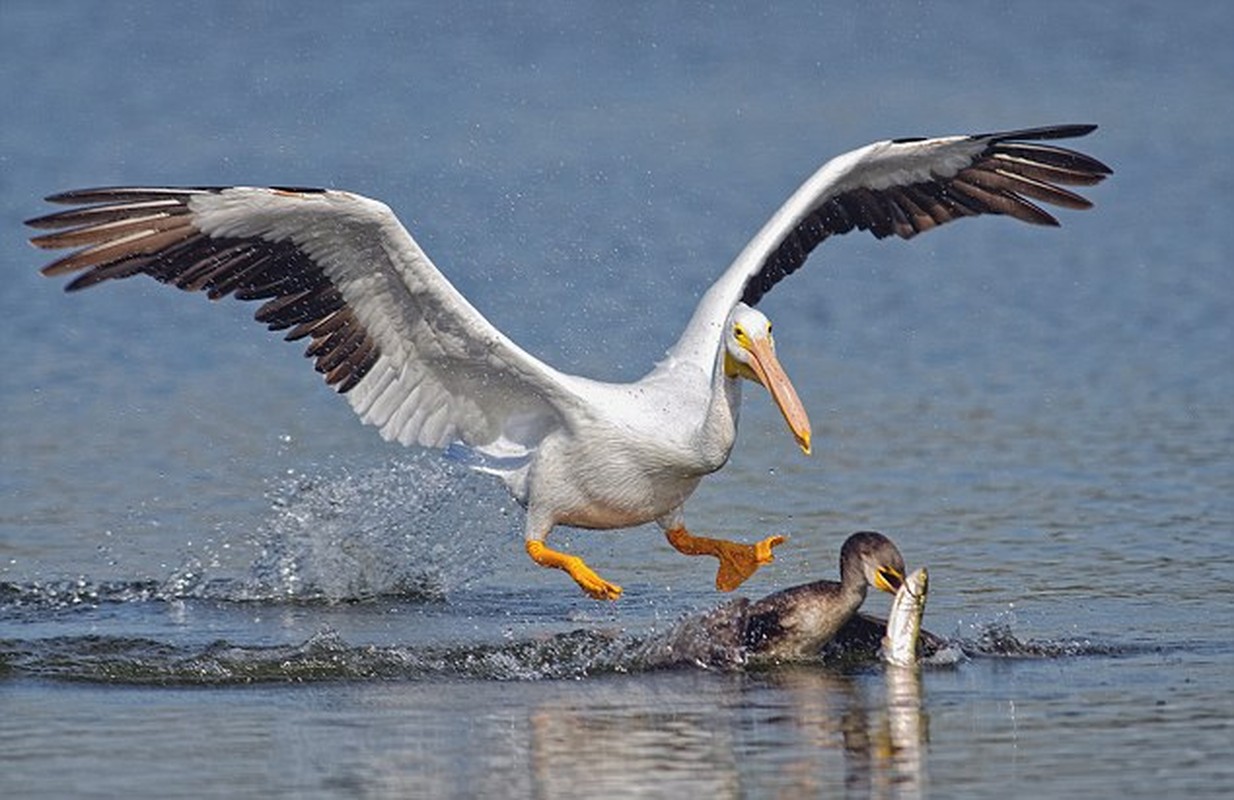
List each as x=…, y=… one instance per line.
x=902, y=187
x=445, y=373
x=876, y=166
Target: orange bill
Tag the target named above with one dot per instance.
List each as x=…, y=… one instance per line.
x=771, y=375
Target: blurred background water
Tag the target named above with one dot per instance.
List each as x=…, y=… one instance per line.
x=1041, y=416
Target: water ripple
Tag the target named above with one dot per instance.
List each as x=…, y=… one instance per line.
x=693, y=642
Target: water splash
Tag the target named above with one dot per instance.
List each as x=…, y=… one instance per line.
x=416, y=527
x=997, y=639
x=700, y=641
x=413, y=529
x=74, y=593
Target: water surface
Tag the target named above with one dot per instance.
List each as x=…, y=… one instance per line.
x=215, y=581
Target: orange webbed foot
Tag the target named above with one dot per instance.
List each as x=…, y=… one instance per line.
x=583, y=575
x=739, y=561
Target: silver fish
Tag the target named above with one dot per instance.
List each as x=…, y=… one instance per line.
x=904, y=620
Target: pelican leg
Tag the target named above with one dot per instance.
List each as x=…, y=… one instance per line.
x=737, y=561
x=583, y=575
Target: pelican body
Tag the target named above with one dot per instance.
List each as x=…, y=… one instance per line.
x=416, y=360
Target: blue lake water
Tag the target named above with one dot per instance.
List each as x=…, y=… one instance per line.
x=214, y=581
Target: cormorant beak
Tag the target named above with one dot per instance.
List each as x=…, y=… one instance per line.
x=769, y=373
x=888, y=579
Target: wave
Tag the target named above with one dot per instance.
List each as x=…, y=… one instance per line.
x=697, y=641
x=389, y=533
x=323, y=657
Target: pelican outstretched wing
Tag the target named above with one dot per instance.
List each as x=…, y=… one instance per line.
x=901, y=187
x=385, y=327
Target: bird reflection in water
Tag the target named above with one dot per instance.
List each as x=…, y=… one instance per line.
x=797, y=731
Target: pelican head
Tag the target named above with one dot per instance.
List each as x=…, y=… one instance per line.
x=750, y=353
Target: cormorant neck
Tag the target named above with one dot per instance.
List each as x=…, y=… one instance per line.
x=853, y=583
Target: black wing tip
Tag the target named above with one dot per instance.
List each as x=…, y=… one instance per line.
x=1048, y=132
x=299, y=189
x=98, y=196
x=75, y=285
x=104, y=194
x=1041, y=133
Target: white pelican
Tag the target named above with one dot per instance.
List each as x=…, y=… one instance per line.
x=416, y=360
